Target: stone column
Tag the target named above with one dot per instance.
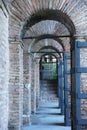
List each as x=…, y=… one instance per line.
x=16, y=86
x=27, y=89
x=33, y=87
x=4, y=67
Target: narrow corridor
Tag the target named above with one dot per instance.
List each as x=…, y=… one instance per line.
x=48, y=116
x=43, y=61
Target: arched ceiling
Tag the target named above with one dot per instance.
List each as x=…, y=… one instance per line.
x=48, y=14
x=52, y=17
x=47, y=27
x=45, y=43
x=49, y=49
x=34, y=45
x=41, y=55
x=24, y=11
x=40, y=48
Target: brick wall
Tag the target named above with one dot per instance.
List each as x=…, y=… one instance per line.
x=16, y=86
x=4, y=67
x=27, y=89
x=83, y=85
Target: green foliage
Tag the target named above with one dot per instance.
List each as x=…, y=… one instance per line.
x=53, y=69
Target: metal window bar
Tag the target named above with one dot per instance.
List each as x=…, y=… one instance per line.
x=77, y=95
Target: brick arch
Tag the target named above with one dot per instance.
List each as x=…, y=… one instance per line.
x=49, y=47
x=46, y=36
x=48, y=14
x=41, y=45
x=22, y=12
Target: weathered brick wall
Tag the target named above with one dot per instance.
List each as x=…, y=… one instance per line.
x=16, y=86
x=4, y=67
x=27, y=88
x=33, y=89
x=83, y=85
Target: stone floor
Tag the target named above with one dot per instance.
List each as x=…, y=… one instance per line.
x=48, y=117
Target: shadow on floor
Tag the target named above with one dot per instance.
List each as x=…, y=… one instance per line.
x=47, y=117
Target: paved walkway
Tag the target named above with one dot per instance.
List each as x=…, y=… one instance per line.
x=48, y=117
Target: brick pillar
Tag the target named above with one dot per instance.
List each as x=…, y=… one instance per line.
x=16, y=86
x=33, y=87
x=4, y=67
x=37, y=84
x=27, y=89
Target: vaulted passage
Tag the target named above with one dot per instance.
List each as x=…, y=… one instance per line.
x=48, y=114
x=43, y=64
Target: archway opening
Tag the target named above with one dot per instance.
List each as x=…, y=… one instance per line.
x=48, y=78
x=54, y=15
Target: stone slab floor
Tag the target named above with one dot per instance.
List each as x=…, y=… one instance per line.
x=48, y=117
